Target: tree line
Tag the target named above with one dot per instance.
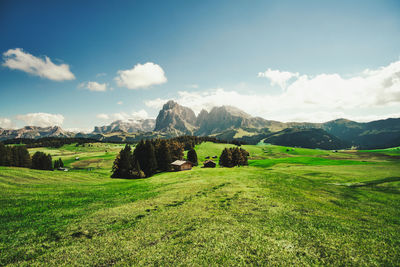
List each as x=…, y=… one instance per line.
x=18, y=156
x=234, y=156
x=54, y=142
x=190, y=141
x=147, y=158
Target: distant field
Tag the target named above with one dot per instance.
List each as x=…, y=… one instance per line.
x=291, y=206
x=92, y=155
x=388, y=151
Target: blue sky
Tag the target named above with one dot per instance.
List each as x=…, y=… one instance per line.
x=282, y=60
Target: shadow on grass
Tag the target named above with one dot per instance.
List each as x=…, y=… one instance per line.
x=376, y=182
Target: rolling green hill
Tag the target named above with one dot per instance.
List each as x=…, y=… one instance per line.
x=307, y=138
x=291, y=206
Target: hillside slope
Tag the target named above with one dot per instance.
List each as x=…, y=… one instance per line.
x=307, y=138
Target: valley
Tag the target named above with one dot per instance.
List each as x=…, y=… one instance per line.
x=292, y=206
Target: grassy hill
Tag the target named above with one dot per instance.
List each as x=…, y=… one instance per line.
x=289, y=207
x=308, y=138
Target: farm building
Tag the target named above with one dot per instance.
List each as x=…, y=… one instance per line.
x=209, y=164
x=181, y=165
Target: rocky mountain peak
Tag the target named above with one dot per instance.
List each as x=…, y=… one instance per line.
x=170, y=105
x=174, y=117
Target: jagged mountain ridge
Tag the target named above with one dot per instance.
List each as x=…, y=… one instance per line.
x=226, y=123
x=34, y=132
x=175, y=118
x=230, y=123
x=130, y=126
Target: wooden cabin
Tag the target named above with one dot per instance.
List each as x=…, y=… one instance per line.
x=181, y=165
x=209, y=164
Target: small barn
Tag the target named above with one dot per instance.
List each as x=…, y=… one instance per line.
x=209, y=164
x=181, y=165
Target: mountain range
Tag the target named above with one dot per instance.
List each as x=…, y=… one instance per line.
x=229, y=123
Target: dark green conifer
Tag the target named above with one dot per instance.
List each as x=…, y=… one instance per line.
x=192, y=157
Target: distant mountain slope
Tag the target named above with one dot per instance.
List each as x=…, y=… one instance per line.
x=307, y=138
x=226, y=117
x=228, y=123
x=130, y=126
x=34, y=132
x=374, y=134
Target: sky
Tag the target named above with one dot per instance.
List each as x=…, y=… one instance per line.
x=80, y=64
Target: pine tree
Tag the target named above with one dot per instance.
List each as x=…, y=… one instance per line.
x=14, y=157
x=192, y=157
x=226, y=158
x=2, y=154
x=56, y=164
x=140, y=155
x=223, y=159
x=60, y=163
x=122, y=165
x=163, y=156
x=244, y=157
x=235, y=156
x=177, y=151
x=150, y=159
x=23, y=156
x=137, y=171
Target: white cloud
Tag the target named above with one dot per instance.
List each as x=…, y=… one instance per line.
x=102, y=116
x=94, y=86
x=19, y=60
x=78, y=130
x=120, y=103
x=141, y=76
x=6, y=123
x=317, y=99
x=140, y=115
x=41, y=119
x=123, y=116
x=278, y=77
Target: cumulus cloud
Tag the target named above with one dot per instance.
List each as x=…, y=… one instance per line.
x=102, y=116
x=120, y=103
x=123, y=116
x=79, y=130
x=319, y=98
x=94, y=86
x=41, y=119
x=17, y=59
x=6, y=123
x=278, y=77
x=141, y=76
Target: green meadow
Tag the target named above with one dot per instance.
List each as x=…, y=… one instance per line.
x=290, y=206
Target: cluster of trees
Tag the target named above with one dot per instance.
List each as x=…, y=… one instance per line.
x=149, y=157
x=55, y=142
x=233, y=156
x=58, y=163
x=42, y=161
x=18, y=156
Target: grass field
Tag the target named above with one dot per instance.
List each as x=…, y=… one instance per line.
x=289, y=207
